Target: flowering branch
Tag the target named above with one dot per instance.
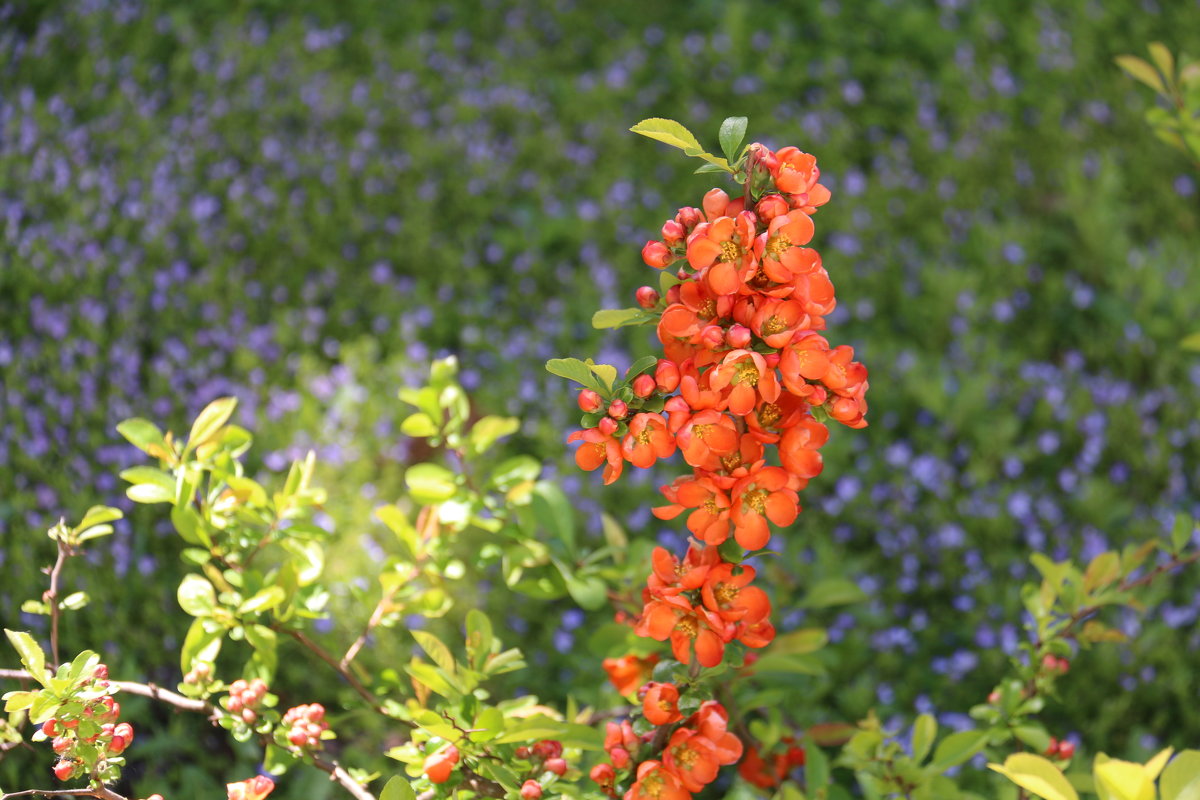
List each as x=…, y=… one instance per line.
x=102, y=792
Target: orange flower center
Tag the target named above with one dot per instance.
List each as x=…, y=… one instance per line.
x=643, y=437
x=725, y=593
x=709, y=309
x=769, y=414
x=773, y=325
x=746, y=373
x=652, y=784
x=702, y=430
x=687, y=626
x=778, y=244
x=731, y=461
x=730, y=251
x=685, y=756
x=600, y=449
x=710, y=505
x=756, y=499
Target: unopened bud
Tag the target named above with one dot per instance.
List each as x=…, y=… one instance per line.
x=647, y=297
x=531, y=790
x=657, y=255
x=673, y=232
x=557, y=765
x=607, y=426
x=620, y=757
x=738, y=336
x=589, y=401
x=603, y=774
x=715, y=202
x=644, y=385
x=770, y=207
x=712, y=337
x=689, y=218
x=666, y=376
x=617, y=409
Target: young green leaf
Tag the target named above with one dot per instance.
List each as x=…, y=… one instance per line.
x=397, y=788
x=1140, y=70
x=667, y=131
x=1036, y=775
x=574, y=370
x=621, y=317
x=32, y=657
x=733, y=130
x=210, y=421
x=924, y=732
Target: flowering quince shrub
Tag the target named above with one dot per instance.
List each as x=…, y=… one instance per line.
x=744, y=391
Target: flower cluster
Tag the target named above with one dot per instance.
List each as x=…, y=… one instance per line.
x=245, y=698
x=255, y=788
x=306, y=726
x=767, y=771
x=85, y=733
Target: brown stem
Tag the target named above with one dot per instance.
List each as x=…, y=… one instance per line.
x=344, y=671
x=103, y=792
x=338, y=774
x=51, y=598
x=372, y=623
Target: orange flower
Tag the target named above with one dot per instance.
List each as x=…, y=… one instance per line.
x=674, y=618
x=732, y=597
x=711, y=721
x=805, y=359
x=776, y=321
x=661, y=704
x=762, y=495
x=722, y=250
x=672, y=576
x=255, y=788
x=769, y=420
x=647, y=440
x=705, y=437
x=755, y=770
x=710, y=520
x=693, y=758
x=629, y=672
x=747, y=372
x=799, y=448
x=655, y=782
x=597, y=449
x=779, y=249
x=759, y=633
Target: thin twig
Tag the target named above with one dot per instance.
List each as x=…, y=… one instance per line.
x=51, y=597
x=345, y=672
x=338, y=774
x=104, y=793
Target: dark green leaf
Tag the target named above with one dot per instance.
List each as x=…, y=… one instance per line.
x=733, y=130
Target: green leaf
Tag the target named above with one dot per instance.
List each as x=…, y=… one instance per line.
x=1162, y=59
x=1181, y=779
x=606, y=373
x=98, y=515
x=150, y=493
x=32, y=657
x=266, y=647
x=1142, y=71
x=833, y=592
x=210, y=421
x=430, y=483
x=190, y=525
x=716, y=161
x=955, y=749
x=516, y=470
x=479, y=638
x=144, y=435
x=816, y=766
x=1034, y=736
x=418, y=424
x=197, y=596
x=489, y=430
x=923, y=735
x=18, y=701
x=703, y=168
x=74, y=601
x=436, y=649
x=200, y=644
x=621, y=317
x=263, y=600
x=804, y=640
x=1037, y=775
x=488, y=724
x=397, y=788
x=667, y=131
x=1181, y=532
x=432, y=678
x=575, y=370
x=733, y=130
x=589, y=592
x=1191, y=342
x=554, y=512
x=1101, y=571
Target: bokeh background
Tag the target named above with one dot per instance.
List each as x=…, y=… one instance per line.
x=301, y=203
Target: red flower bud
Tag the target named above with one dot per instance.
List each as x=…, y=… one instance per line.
x=647, y=297
x=438, y=768
x=259, y=687
x=50, y=727
x=1063, y=666
x=617, y=409
x=238, y=686
x=297, y=737
x=657, y=255
x=589, y=401
x=689, y=218
x=993, y=697
x=673, y=232
x=531, y=790
x=607, y=426
x=117, y=746
x=715, y=202
x=125, y=731
x=1066, y=750
x=235, y=703
x=644, y=385
x=770, y=207
x=522, y=752
x=249, y=716
x=61, y=745
x=666, y=376
x=603, y=774
x=101, y=672
x=452, y=754
x=64, y=769
x=620, y=757
x=557, y=765
x=548, y=748
x=315, y=713
x=1052, y=748
x=738, y=336
x=712, y=337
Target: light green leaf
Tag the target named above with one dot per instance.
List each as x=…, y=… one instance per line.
x=263, y=600
x=489, y=430
x=436, y=649
x=833, y=592
x=418, y=424
x=804, y=640
x=621, y=317
x=200, y=645
x=606, y=373
x=150, y=493
x=266, y=647
x=816, y=767
x=18, y=701
x=74, y=601
x=1037, y=775
x=733, y=130
x=1122, y=780
x=1181, y=531
x=479, y=637
x=98, y=515
x=144, y=435
x=923, y=735
x=1181, y=779
x=703, y=168
x=1162, y=59
x=554, y=512
x=430, y=483
x=1142, y=71
x=397, y=788
x=575, y=370
x=667, y=131
x=210, y=421
x=30, y=652
x=516, y=470
x=197, y=596
x=955, y=749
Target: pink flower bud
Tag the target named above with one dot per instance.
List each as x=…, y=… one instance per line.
x=644, y=385
x=557, y=765
x=249, y=716
x=689, y=218
x=666, y=375
x=715, y=202
x=647, y=297
x=297, y=737
x=607, y=426
x=101, y=672
x=603, y=774
x=770, y=207
x=589, y=401
x=657, y=255
x=617, y=409
x=738, y=336
x=531, y=790
x=712, y=337
x=620, y=757
x=673, y=232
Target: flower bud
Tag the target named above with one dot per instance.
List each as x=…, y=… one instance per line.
x=531, y=790
x=1052, y=748
x=522, y=752
x=620, y=757
x=607, y=426
x=259, y=687
x=673, y=232
x=715, y=202
x=644, y=385
x=738, y=336
x=235, y=704
x=666, y=376
x=589, y=401
x=548, y=748
x=557, y=765
x=315, y=713
x=617, y=409
x=61, y=745
x=297, y=737
x=1066, y=750
x=657, y=255
x=647, y=297
x=50, y=727
x=238, y=686
x=101, y=672
x=712, y=337
x=603, y=774
x=689, y=218
x=249, y=716
x=770, y=207
x=64, y=769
